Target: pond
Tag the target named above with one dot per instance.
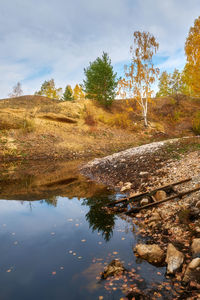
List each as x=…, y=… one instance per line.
x=55, y=239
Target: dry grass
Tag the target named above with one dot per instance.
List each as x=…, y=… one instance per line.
x=40, y=126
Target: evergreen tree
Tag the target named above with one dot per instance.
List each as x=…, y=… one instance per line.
x=68, y=94
x=100, y=83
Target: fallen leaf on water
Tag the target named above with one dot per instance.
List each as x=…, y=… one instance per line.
x=8, y=271
x=115, y=252
x=100, y=297
x=159, y=273
x=123, y=238
x=53, y=273
x=83, y=241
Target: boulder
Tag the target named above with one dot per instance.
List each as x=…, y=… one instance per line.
x=160, y=195
x=113, y=269
x=192, y=272
x=196, y=247
x=152, y=253
x=174, y=259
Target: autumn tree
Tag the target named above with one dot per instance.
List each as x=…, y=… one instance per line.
x=78, y=92
x=164, y=84
x=172, y=84
x=192, y=51
x=141, y=73
x=100, y=83
x=68, y=94
x=17, y=91
x=49, y=90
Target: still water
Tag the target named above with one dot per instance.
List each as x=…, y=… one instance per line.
x=54, y=241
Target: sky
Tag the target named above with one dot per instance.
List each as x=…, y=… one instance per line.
x=44, y=39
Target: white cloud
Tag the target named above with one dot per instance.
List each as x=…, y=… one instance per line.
x=63, y=36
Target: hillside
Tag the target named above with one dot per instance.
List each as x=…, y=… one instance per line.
x=36, y=127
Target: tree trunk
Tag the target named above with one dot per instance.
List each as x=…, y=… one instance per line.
x=145, y=120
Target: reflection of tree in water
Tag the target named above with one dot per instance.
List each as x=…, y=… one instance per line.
x=97, y=217
x=51, y=200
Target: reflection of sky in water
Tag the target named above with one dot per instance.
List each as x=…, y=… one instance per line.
x=36, y=239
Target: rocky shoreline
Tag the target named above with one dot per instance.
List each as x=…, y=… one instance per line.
x=172, y=228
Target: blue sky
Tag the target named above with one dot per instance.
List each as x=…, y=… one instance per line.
x=57, y=39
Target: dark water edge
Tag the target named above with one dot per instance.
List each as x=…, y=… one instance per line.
x=55, y=239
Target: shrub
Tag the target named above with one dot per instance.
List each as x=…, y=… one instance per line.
x=28, y=125
x=119, y=120
x=88, y=117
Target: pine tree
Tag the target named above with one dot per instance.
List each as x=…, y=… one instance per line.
x=68, y=94
x=100, y=83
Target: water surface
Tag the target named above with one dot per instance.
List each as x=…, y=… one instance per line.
x=55, y=239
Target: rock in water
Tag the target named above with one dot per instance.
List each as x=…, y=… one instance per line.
x=114, y=268
x=160, y=195
x=196, y=247
x=152, y=253
x=174, y=259
x=192, y=271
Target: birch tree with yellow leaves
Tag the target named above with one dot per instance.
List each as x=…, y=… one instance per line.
x=141, y=73
x=192, y=51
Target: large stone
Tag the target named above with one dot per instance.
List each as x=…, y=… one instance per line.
x=160, y=195
x=113, y=269
x=196, y=247
x=192, y=271
x=174, y=259
x=152, y=253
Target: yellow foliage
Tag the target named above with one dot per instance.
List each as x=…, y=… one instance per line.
x=119, y=120
x=192, y=51
x=78, y=92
